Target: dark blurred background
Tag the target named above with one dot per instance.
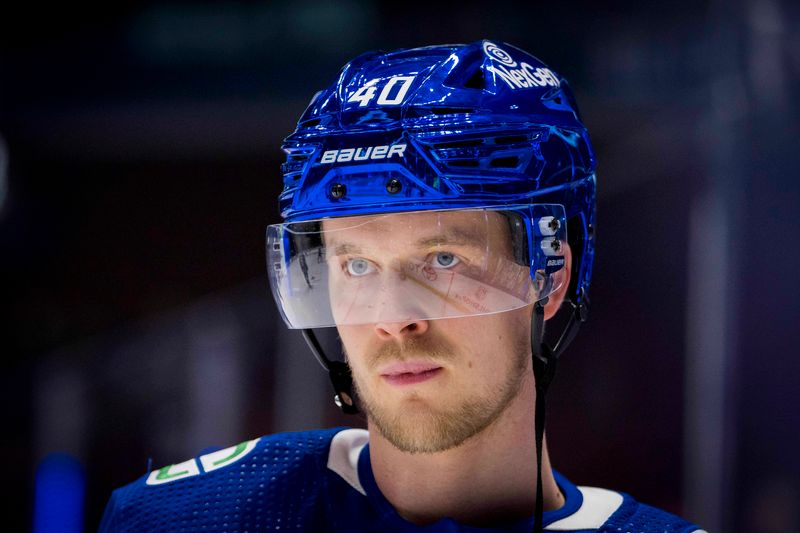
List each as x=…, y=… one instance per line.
x=139, y=167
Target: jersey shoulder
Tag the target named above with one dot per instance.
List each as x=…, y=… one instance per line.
x=636, y=517
x=249, y=486
x=592, y=509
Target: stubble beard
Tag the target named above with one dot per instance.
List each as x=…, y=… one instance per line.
x=425, y=428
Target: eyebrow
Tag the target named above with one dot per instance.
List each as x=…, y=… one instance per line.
x=346, y=248
x=458, y=236
x=454, y=236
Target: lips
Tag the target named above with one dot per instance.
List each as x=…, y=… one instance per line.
x=409, y=373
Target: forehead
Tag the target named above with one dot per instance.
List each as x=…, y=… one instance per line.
x=467, y=227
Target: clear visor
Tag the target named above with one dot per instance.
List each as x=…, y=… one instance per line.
x=421, y=265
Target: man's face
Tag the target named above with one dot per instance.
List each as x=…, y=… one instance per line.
x=428, y=385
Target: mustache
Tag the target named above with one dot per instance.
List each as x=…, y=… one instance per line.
x=415, y=348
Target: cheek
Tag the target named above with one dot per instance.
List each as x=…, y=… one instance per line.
x=354, y=340
x=481, y=341
x=492, y=330
x=492, y=343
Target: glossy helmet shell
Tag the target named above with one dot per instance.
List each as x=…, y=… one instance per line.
x=439, y=127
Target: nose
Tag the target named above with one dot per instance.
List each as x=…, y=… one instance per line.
x=401, y=330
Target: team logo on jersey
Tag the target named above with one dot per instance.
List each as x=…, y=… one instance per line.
x=523, y=76
x=362, y=153
x=173, y=472
x=210, y=461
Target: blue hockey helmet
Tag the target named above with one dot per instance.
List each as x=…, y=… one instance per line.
x=417, y=138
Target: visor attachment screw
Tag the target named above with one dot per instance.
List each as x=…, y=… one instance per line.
x=338, y=190
x=394, y=186
x=555, y=224
x=556, y=245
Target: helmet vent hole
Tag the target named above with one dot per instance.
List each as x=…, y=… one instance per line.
x=311, y=123
x=465, y=163
x=511, y=139
x=476, y=81
x=505, y=162
x=450, y=110
x=459, y=144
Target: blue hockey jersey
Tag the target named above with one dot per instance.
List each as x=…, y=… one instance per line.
x=322, y=481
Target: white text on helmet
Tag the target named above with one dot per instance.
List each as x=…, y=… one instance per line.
x=388, y=94
x=362, y=153
x=525, y=76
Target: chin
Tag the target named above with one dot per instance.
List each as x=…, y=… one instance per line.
x=414, y=427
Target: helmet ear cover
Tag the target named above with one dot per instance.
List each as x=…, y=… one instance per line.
x=577, y=236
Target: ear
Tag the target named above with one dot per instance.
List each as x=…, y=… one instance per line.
x=557, y=298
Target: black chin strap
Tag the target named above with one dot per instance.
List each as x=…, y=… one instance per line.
x=544, y=369
x=545, y=360
x=339, y=373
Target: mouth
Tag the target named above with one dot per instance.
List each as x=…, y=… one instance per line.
x=410, y=373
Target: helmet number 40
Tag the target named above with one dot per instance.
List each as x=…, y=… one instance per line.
x=393, y=92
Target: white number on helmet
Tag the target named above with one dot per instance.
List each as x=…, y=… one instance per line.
x=387, y=96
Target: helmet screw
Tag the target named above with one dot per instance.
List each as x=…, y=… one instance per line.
x=342, y=398
x=556, y=245
x=338, y=190
x=394, y=186
x=555, y=224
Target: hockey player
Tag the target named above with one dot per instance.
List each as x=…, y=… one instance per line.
x=439, y=208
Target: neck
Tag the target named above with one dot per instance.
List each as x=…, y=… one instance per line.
x=489, y=479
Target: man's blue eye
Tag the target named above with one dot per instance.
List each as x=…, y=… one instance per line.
x=359, y=267
x=445, y=260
